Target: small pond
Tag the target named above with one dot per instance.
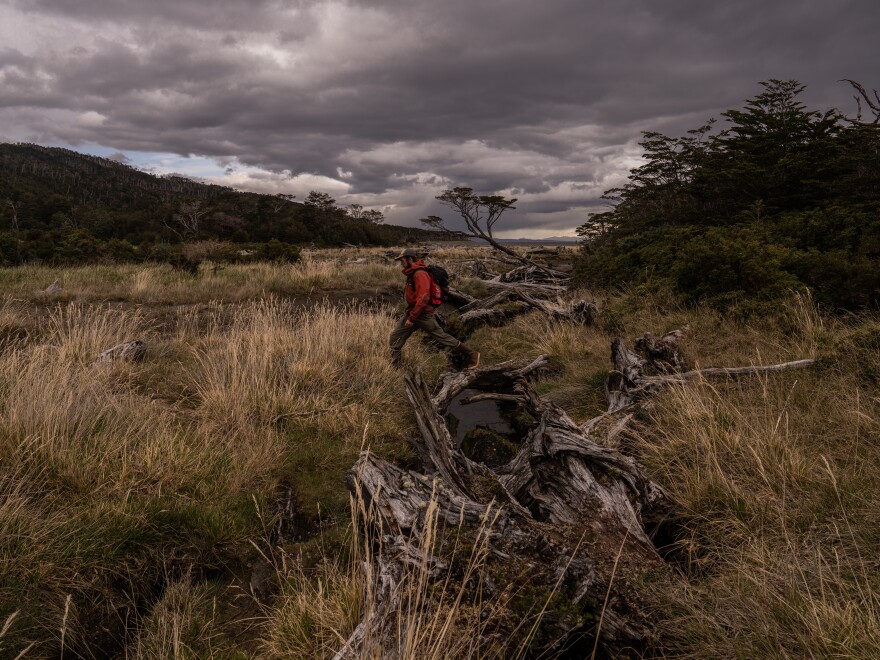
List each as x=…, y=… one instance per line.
x=490, y=432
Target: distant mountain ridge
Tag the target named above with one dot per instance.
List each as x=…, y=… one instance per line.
x=548, y=240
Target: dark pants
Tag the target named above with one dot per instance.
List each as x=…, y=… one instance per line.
x=426, y=323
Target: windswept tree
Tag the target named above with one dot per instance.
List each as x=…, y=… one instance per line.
x=188, y=219
x=480, y=214
x=282, y=200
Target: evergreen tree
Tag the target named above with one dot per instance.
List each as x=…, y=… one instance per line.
x=782, y=197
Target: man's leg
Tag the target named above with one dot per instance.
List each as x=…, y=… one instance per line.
x=429, y=324
x=398, y=338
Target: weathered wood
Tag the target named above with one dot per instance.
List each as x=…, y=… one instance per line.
x=549, y=290
x=480, y=270
x=451, y=384
x=581, y=311
x=490, y=301
x=663, y=354
x=477, y=318
x=561, y=486
x=555, y=561
x=459, y=298
x=712, y=372
x=566, y=482
x=535, y=275
x=660, y=364
x=560, y=473
x=130, y=351
x=500, y=307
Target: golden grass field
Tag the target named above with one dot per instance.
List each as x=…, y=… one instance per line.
x=138, y=500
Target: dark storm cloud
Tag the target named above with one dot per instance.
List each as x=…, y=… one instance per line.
x=398, y=99
x=217, y=14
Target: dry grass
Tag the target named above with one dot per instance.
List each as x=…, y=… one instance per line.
x=119, y=483
x=153, y=284
x=110, y=490
x=183, y=624
x=433, y=618
x=778, y=482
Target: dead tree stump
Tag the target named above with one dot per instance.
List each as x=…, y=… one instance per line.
x=54, y=288
x=130, y=351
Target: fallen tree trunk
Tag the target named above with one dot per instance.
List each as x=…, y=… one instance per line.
x=548, y=290
x=500, y=307
x=569, y=516
x=563, y=510
x=534, y=274
x=636, y=377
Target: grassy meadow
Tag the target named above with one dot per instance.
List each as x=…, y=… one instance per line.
x=141, y=509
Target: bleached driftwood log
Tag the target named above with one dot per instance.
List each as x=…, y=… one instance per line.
x=567, y=516
x=658, y=363
x=571, y=515
x=131, y=351
x=500, y=307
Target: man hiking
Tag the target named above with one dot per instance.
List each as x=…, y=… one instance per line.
x=423, y=295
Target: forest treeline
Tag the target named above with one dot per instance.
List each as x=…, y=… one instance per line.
x=781, y=197
x=59, y=206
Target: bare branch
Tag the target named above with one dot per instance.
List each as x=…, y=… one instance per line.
x=187, y=221
x=873, y=104
x=480, y=214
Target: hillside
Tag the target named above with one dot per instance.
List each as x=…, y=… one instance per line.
x=60, y=206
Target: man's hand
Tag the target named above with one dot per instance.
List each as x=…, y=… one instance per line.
x=408, y=323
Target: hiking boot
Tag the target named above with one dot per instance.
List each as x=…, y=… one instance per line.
x=473, y=360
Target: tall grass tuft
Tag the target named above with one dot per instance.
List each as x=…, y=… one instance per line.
x=778, y=479
x=441, y=610
x=115, y=478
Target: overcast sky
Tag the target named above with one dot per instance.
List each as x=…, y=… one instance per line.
x=388, y=102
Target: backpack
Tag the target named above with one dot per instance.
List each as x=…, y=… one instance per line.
x=439, y=284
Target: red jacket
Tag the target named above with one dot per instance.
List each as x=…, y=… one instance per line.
x=418, y=291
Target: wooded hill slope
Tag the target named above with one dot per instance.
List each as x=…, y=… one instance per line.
x=781, y=198
x=61, y=206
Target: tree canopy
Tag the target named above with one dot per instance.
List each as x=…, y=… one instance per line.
x=60, y=206
x=781, y=197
